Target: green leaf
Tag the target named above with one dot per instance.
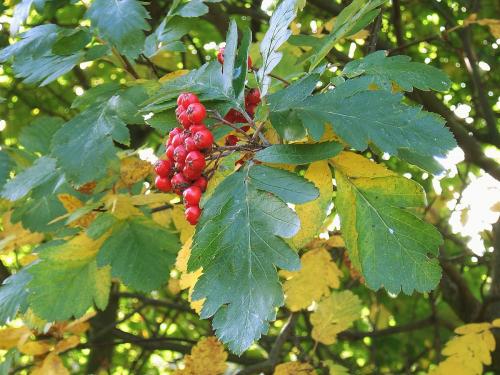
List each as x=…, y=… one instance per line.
x=6, y=165
x=36, y=214
x=32, y=55
x=192, y=8
x=95, y=95
x=84, y=146
x=241, y=63
x=304, y=153
x=386, y=241
x=238, y=242
x=360, y=116
x=13, y=295
x=37, y=136
x=101, y=225
x=229, y=56
x=286, y=185
x=167, y=36
x=399, y=69
x=122, y=23
x=72, y=43
x=41, y=171
x=353, y=18
x=21, y=13
x=67, y=282
x=277, y=34
x=140, y=253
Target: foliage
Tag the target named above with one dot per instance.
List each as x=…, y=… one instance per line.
x=339, y=196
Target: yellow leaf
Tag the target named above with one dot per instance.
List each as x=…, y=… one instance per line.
x=121, y=205
x=35, y=347
x=294, y=368
x=314, y=280
x=468, y=352
x=174, y=286
x=335, y=369
x=312, y=214
x=152, y=198
x=133, y=169
x=493, y=24
x=207, y=357
x=51, y=365
x=496, y=323
x=170, y=76
x=27, y=259
x=10, y=337
x=188, y=279
x=14, y=236
x=67, y=344
x=333, y=315
x=71, y=204
x=185, y=229
x=80, y=325
x=379, y=315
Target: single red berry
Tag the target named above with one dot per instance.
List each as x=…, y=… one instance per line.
x=195, y=160
x=191, y=174
x=180, y=153
x=179, y=183
x=220, y=55
x=163, y=167
x=203, y=139
x=253, y=96
x=187, y=98
x=179, y=166
x=196, y=128
x=245, y=128
x=177, y=140
x=163, y=184
x=179, y=110
x=189, y=144
x=249, y=63
x=192, y=214
x=231, y=115
x=183, y=119
x=172, y=134
x=170, y=152
x=201, y=183
x=192, y=196
x=231, y=140
x=196, y=112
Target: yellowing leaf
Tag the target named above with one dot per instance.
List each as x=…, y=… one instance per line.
x=185, y=229
x=133, y=169
x=468, y=352
x=152, y=198
x=294, y=368
x=71, y=204
x=314, y=280
x=51, y=365
x=333, y=315
x=379, y=315
x=10, y=337
x=174, y=286
x=27, y=259
x=207, y=357
x=66, y=344
x=188, y=279
x=312, y=214
x=172, y=75
x=14, y=236
x=121, y=205
x=35, y=347
x=335, y=369
x=493, y=24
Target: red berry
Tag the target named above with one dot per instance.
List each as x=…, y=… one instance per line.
x=179, y=166
x=195, y=160
x=163, y=184
x=179, y=110
x=203, y=139
x=192, y=196
x=179, y=183
x=180, y=153
x=163, y=167
x=249, y=63
x=187, y=98
x=253, y=96
x=189, y=144
x=251, y=109
x=231, y=115
x=183, y=119
x=177, y=140
x=172, y=134
x=220, y=55
x=191, y=173
x=231, y=140
x=170, y=152
x=197, y=127
x=192, y=214
x=196, y=112
x=245, y=128
x=201, y=183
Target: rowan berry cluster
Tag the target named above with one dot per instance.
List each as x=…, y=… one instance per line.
x=252, y=100
x=182, y=169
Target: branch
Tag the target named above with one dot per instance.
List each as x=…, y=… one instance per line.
x=274, y=355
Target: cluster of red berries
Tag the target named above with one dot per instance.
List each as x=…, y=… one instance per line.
x=181, y=171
